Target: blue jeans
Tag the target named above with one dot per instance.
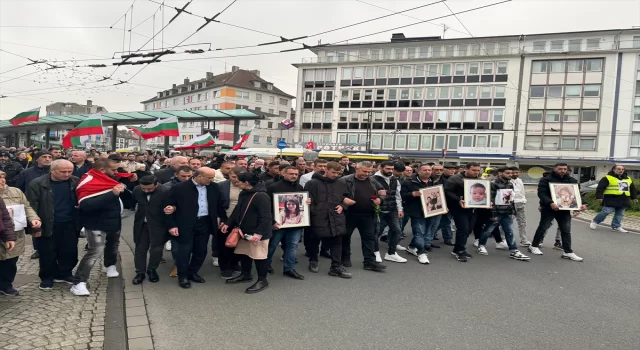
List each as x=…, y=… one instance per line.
x=445, y=227
x=423, y=231
x=617, y=216
x=506, y=221
x=290, y=245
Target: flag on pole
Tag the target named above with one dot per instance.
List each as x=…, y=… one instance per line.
x=197, y=142
x=76, y=137
x=243, y=138
x=288, y=124
x=31, y=115
x=160, y=127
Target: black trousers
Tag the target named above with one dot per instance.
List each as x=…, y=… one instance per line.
x=191, y=249
x=483, y=216
x=366, y=227
x=261, y=266
x=151, y=242
x=8, y=270
x=227, y=259
x=331, y=244
x=465, y=220
x=563, y=217
x=59, y=252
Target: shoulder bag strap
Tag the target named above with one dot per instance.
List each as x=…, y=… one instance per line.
x=246, y=209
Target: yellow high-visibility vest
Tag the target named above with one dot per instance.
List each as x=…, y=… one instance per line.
x=615, y=188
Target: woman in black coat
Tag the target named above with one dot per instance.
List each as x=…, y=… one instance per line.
x=253, y=216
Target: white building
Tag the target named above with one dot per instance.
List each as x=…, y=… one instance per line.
x=530, y=100
x=233, y=90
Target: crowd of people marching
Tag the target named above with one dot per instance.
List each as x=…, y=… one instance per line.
x=181, y=203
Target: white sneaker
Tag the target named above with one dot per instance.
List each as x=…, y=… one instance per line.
x=378, y=258
x=413, y=251
x=571, y=256
x=482, y=250
x=395, y=258
x=535, y=250
x=112, y=272
x=620, y=229
x=215, y=262
x=80, y=289
x=593, y=225
x=476, y=243
x=423, y=259
x=519, y=256
x=400, y=248
x=502, y=246
x=167, y=246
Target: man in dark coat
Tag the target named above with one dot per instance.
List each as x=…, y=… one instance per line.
x=165, y=175
x=272, y=172
x=42, y=161
x=197, y=206
x=81, y=165
x=148, y=227
x=10, y=168
x=348, y=169
x=328, y=221
x=615, y=192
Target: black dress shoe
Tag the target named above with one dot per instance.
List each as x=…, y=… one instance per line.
x=434, y=245
x=138, y=279
x=293, y=274
x=153, y=276
x=239, y=279
x=195, y=278
x=35, y=255
x=270, y=270
x=184, y=283
x=257, y=287
x=377, y=267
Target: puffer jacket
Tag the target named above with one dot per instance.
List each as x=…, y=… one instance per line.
x=326, y=194
x=413, y=205
x=501, y=210
x=615, y=200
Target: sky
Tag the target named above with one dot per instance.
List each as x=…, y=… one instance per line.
x=39, y=30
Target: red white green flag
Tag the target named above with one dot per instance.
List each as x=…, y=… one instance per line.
x=31, y=115
x=160, y=127
x=243, y=138
x=76, y=137
x=197, y=142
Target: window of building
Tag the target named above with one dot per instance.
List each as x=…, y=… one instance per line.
x=428, y=116
x=355, y=117
x=456, y=116
x=453, y=142
x=557, y=45
x=575, y=45
x=535, y=115
x=593, y=44
x=498, y=115
x=199, y=97
x=426, y=142
x=462, y=49
x=590, y=115
x=568, y=143
x=500, y=91
x=539, y=66
x=393, y=94
x=401, y=141
x=502, y=68
x=420, y=70
x=272, y=100
x=483, y=115
x=387, y=142
x=575, y=65
x=380, y=94
x=495, y=141
x=391, y=116
x=368, y=95
x=539, y=45
x=417, y=93
x=591, y=90
x=175, y=101
x=406, y=71
x=355, y=95
x=377, y=117
x=446, y=69
x=394, y=72
x=343, y=116
x=594, y=65
x=636, y=114
x=404, y=94
x=487, y=68
x=258, y=97
x=557, y=66
x=328, y=96
x=573, y=90
x=461, y=69
x=284, y=102
x=382, y=72
x=258, y=109
x=344, y=95
x=474, y=68
x=467, y=141
x=550, y=142
x=554, y=91
x=376, y=141
x=328, y=117
x=358, y=73
x=271, y=110
x=475, y=49
x=470, y=115
x=318, y=96
x=439, y=142
x=282, y=114
x=570, y=116
x=443, y=116
x=444, y=93
x=243, y=95
x=537, y=91
x=458, y=92
x=347, y=73
x=256, y=123
x=369, y=72
x=403, y=116
x=256, y=138
x=472, y=92
x=552, y=116
x=485, y=92
x=437, y=51
x=587, y=143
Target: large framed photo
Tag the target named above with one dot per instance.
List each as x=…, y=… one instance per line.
x=566, y=196
x=291, y=209
x=433, y=201
x=476, y=193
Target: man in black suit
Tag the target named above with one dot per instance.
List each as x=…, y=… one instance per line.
x=165, y=175
x=197, y=205
x=149, y=231
x=348, y=169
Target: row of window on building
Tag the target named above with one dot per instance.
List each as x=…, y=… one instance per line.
x=416, y=116
x=394, y=141
x=567, y=66
x=560, y=143
x=241, y=95
x=566, y=116
x=567, y=91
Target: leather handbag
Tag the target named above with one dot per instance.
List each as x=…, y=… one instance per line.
x=236, y=233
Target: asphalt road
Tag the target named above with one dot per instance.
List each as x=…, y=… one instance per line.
x=490, y=302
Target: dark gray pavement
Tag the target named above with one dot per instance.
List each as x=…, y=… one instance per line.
x=490, y=302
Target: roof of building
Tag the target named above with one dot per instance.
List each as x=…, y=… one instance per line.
x=239, y=78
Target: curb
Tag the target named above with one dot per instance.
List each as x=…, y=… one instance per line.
x=637, y=232
x=137, y=321
x=115, y=329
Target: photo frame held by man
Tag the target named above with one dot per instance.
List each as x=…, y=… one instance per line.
x=291, y=209
x=566, y=196
x=433, y=201
x=476, y=193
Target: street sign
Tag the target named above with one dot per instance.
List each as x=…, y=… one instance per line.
x=281, y=144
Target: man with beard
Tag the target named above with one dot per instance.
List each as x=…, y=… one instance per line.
x=241, y=162
x=422, y=227
x=195, y=164
x=448, y=170
x=55, y=152
x=464, y=217
x=272, y=172
x=391, y=212
x=348, y=169
x=165, y=175
x=362, y=196
x=320, y=165
x=501, y=214
x=222, y=174
x=328, y=222
x=615, y=192
x=10, y=168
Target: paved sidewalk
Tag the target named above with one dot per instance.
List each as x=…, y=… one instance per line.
x=56, y=319
x=631, y=223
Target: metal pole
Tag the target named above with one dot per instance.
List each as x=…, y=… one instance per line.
x=114, y=137
x=369, y=130
x=47, y=131
x=166, y=146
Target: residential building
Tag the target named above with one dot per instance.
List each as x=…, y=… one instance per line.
x=530, y=100
x=232, y=90
x=71, y=108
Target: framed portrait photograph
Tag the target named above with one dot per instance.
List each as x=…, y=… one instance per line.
x=504, y=197
x=291, y=209
x=433, y=201
x=566, y=196
x=476, y=193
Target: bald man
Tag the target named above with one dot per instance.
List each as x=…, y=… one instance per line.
x=165, y=175
x=195, y=206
